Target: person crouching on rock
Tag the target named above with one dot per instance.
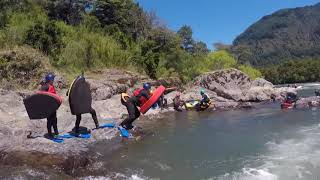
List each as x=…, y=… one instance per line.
x=140, y=96
x=205, y=102
x=52, y=119
x=177, y=102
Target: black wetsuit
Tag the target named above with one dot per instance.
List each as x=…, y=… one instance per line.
x=52, y=119
x=94, y=117
x=205, y=99
x=133, y=111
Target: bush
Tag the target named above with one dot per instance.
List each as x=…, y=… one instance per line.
x=87, y=50
x=19, y=23
x=45, y=36
x=220, y=59
x=22, y=66
x=249, y=70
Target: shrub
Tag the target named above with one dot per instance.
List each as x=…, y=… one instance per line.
x=45, y=36
x=249, y=70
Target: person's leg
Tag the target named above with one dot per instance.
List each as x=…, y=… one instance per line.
x=49, y=124
x=55, y=123
x=94, y=117
x=160, y=102
x=136, y=115
x=77, y=125
x=131, y=108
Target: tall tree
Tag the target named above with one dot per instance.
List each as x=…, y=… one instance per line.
x=185, y=32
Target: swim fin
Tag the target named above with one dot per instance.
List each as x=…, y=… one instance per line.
x=124, y=132
x=111, y=125
x=69, y=136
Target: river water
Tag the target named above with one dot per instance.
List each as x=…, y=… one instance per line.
x=264, y=143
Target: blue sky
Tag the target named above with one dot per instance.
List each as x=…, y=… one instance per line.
x=217, y=21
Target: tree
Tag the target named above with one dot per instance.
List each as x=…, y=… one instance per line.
x=220, y=60
x=200, y=48
x=185, y=32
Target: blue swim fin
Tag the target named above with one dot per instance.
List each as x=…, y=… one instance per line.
x=84, y=136
x=57, y=140
x=124, y=132
x=110, y=125
x=69, y=136
x=66, y=136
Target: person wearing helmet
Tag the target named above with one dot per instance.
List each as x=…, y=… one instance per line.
x=177, y=102
x=140, y=96
x=78, y=116
x=47, y=86
x=205, y=102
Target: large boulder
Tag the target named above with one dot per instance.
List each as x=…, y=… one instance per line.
x=234, y=85
x=229, y=83
x=260, y=82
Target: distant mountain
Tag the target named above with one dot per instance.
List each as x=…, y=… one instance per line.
x=284, y=35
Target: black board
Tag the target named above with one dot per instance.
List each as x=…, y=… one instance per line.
x=41, y=105
x=80, y=98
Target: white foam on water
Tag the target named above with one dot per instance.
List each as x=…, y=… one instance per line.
x=291, y=159
x=117, y=176
x=95, y=178
x=249, y=174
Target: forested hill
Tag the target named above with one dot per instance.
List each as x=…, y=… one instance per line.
x=287, y=34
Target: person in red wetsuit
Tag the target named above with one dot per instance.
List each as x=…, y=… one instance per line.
x=52, y=119
x=140, y=96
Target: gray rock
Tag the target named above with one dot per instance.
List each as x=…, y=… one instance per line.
x=228, y=84
x=260, y=82
x=313, y=101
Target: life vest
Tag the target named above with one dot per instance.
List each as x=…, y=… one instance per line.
x=141, y=99
x=51, y=89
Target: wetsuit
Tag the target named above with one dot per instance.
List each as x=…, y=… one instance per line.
x=162, y=102
x=205, y=99
x=52, y=119
x=177, y=103
x=133, y=111
x=94, y=117
x=204, y=103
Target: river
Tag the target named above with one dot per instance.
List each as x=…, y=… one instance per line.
x=264, y=143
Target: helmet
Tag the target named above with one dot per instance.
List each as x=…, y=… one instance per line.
x=49, y=77
x=146, y=86
x=202, y=91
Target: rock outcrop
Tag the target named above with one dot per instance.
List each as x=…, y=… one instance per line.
x=232, y=85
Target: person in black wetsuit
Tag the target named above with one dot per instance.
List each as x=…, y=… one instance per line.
x=47, y=86
x=177, y=102
x=140, y=97
x=78, y=116
x=205, y=102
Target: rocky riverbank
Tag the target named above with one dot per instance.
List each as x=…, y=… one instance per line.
x=227, y=88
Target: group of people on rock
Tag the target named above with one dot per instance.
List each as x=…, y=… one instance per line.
x=139, y=98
